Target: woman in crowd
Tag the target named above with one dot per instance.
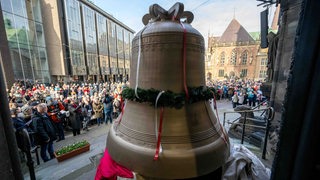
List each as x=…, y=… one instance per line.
x=75, y=116
x=97, y=109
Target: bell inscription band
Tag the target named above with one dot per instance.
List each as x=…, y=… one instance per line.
x=178, y=136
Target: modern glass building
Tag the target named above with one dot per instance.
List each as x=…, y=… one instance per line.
x=25, y=35
x=66, y=40
x=95, y=45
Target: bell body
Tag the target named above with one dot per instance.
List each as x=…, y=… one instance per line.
x=193, y=142
x=166, y=55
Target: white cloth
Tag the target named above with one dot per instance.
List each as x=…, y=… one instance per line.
x=243, y=164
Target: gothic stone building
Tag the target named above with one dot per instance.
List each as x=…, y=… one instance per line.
x=236, y=54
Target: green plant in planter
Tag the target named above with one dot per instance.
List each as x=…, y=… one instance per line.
x=71, y=147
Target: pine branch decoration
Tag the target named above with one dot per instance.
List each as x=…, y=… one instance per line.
x=169, y=98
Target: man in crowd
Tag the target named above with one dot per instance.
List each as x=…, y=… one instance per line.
x=45, y=132
x=108, y=108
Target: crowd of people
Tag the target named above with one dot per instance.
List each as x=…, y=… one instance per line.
x=240, y=92
x=47, y=111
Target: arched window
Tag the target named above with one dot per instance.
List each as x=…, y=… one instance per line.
x=233, y=57
x=244, y=58
x=222, y=58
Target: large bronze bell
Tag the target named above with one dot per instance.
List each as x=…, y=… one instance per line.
x=167, y=55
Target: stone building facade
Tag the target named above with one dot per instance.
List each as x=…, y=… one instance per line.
x=236, y=54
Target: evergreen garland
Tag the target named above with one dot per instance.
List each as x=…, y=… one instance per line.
x=169, y=98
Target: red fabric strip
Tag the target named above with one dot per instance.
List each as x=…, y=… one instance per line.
x=156, y=156
x=109, y=169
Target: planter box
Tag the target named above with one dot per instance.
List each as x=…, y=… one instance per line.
x=72, y=153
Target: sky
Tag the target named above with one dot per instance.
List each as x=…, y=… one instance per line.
x=210, y=16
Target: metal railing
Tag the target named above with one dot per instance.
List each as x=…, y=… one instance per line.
x=267, y=116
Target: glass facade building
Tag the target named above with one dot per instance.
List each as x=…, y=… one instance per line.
x=103, y=45
x=112, y=47
x=75, y=41
x=25, y=35
x=98, y=45
x=90, y=39
x=75, y=37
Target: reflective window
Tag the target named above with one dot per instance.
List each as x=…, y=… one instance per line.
x=90, y=39
x=112, y=38
x=130, y=49
x=21, y=25
x=19, y=7
x=113, y=65
x=120, y=43
x=40, y=34
x=74, y=24
x=102, y=35
x=6, y=6
x=92, y=61
x=112, y=46
x=75, y=39
x=36, y=10
x=16, y=60
x=10, y=27
x=103, y=44
x=104, y=64
x=89, y=29
x=120, y=49
x=26, y=41
x=77, y=58
x=126, y=40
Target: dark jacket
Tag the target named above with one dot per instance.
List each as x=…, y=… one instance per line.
x=44, y=128
x=18, y=123
x=87, y=110
x=21, y=137
x=108, y=101
x=75, y=116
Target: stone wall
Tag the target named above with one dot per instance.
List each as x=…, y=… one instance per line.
x=252, y=65
x=287, y=34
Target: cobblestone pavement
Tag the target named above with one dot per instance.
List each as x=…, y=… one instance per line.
x=83, y=166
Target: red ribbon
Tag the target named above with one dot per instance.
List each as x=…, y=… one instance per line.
x=156, y=156
x=184, y=50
